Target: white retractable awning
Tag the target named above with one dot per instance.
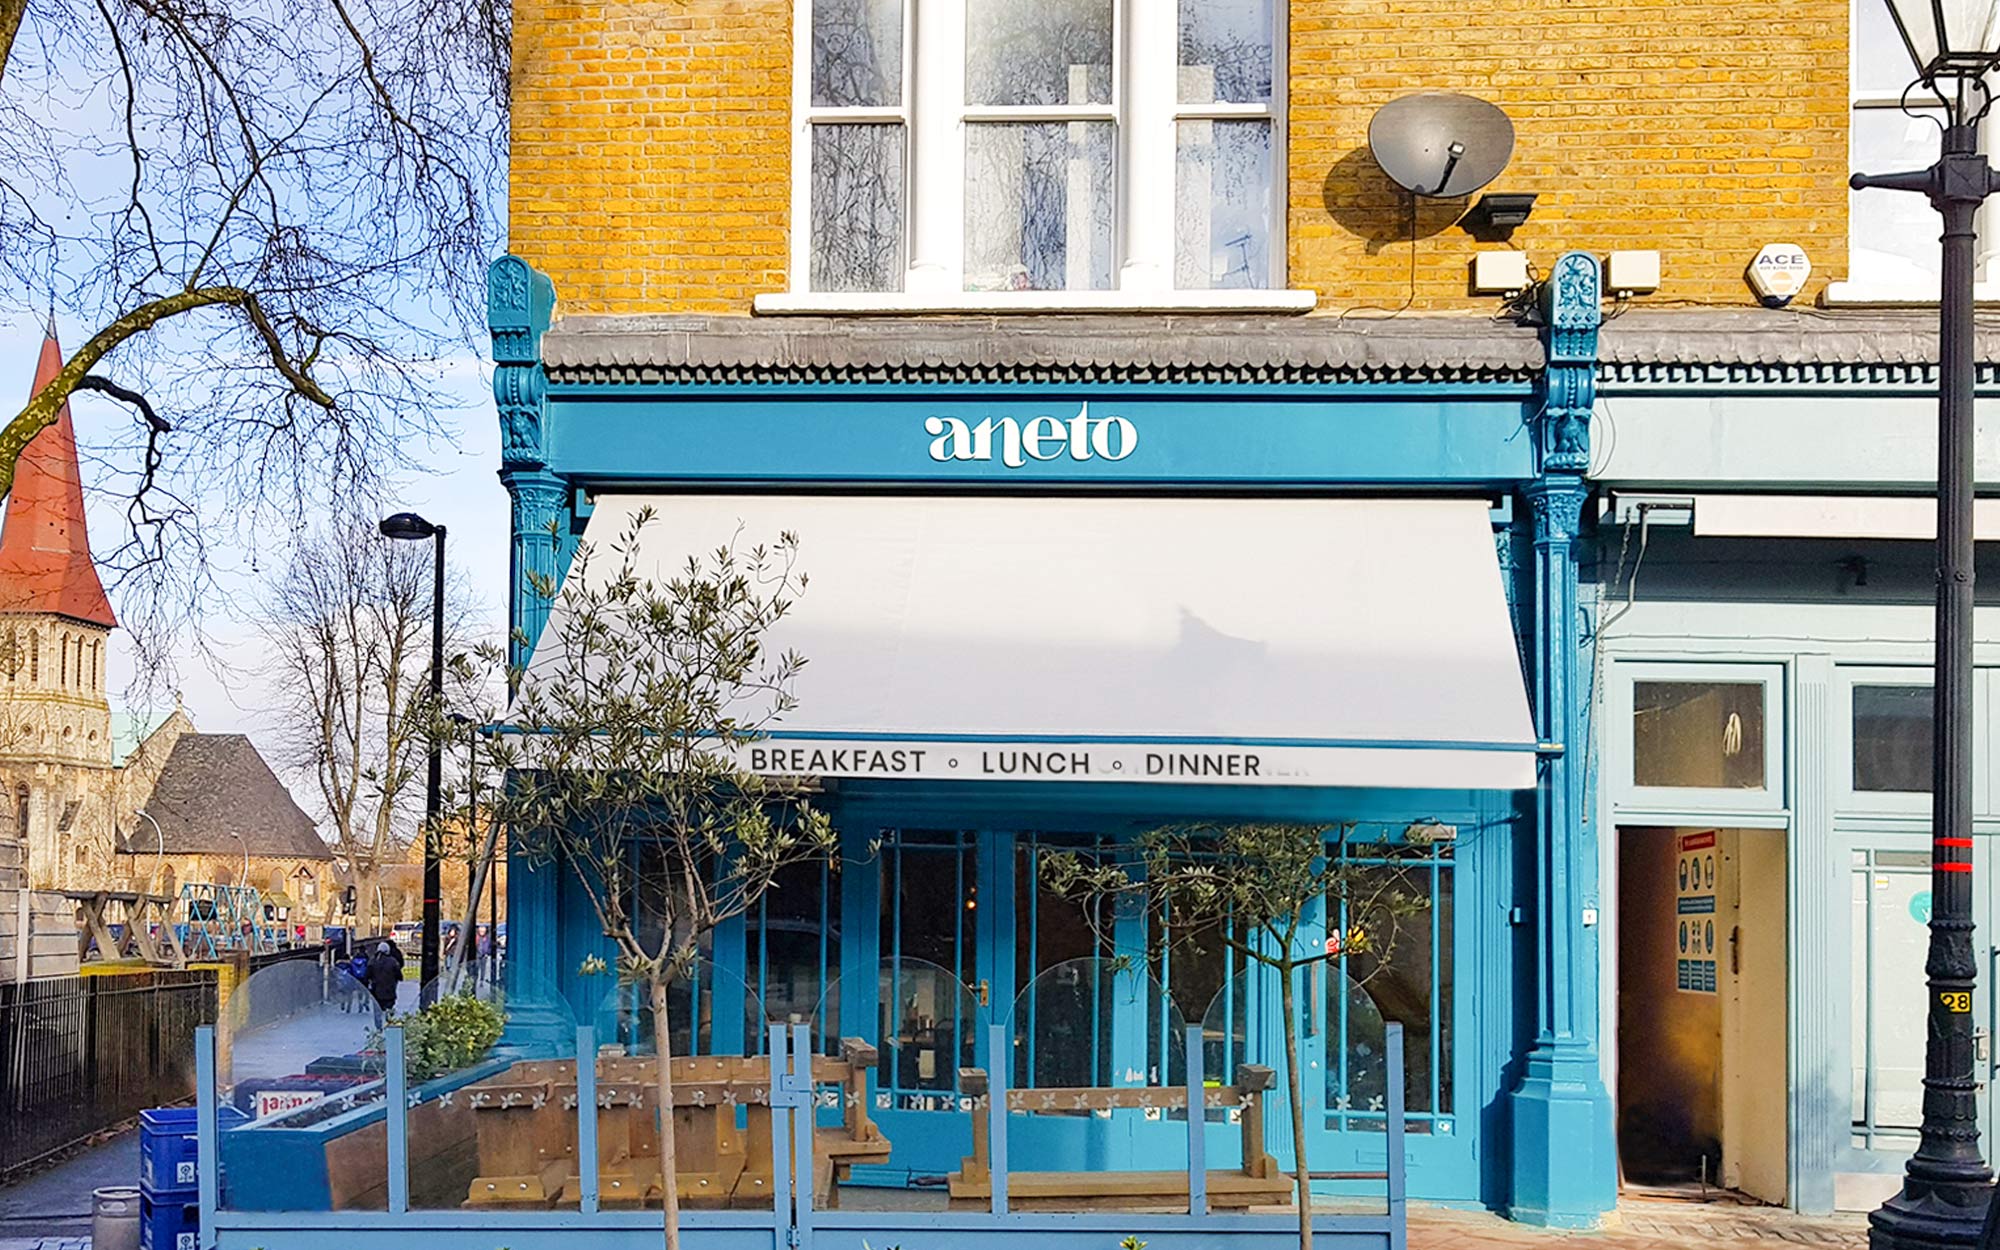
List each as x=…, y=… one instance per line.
x=1351, y=642
x=1831, y=516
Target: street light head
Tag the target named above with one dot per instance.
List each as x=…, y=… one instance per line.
x=1949, y=40
x=406, y=525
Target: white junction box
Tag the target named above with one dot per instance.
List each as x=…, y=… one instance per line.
x=1499, y=272
x=1632, y=273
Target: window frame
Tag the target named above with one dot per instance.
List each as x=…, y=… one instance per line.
x=1144, y=108
x=1849, y=801
x=1633, y=800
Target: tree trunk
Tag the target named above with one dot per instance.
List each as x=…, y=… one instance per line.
x=663, y=1049
x=1288, y=999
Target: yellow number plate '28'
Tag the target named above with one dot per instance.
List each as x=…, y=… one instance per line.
x=1957, y=1002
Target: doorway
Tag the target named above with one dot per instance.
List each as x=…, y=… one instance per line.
x=1702, y=1009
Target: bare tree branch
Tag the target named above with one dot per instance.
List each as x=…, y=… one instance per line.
x=325, y=173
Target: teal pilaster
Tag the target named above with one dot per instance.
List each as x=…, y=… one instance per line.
x=519, y=306
x=1565, y=1168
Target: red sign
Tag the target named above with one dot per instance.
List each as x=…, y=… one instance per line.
x=1697, y=841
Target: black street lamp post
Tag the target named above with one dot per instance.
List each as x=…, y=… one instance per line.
x=408, y=525
x=1947, y=1186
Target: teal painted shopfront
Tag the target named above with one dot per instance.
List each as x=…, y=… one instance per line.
x=1086, y=577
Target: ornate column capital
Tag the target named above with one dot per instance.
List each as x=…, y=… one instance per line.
x=541, y=510
x=519, y=305
x=1557, y=501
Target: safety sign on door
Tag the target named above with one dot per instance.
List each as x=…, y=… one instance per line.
x=1694, y=913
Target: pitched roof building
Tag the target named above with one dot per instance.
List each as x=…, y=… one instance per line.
x=216, y=795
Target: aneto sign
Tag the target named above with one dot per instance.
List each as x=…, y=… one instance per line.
x=1015, y=442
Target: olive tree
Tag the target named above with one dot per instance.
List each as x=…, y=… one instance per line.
x=1249, y=887
x=625, y=736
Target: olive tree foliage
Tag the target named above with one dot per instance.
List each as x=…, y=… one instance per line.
x=1247, y=887
x=270, y=221
x=624, y=737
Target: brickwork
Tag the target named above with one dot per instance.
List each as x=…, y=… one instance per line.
x=650, y=165
x=651, y=146
x=1703, y=128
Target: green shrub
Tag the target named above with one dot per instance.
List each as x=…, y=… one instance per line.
x=452, y=1033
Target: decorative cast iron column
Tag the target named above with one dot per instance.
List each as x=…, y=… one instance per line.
x=520, y=304
x=1565, y=1172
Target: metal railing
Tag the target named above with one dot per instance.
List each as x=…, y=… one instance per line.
x=79, y=1054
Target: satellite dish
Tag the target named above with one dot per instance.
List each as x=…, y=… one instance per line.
x=1441, y=144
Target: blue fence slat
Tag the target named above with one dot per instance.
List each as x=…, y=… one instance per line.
x=1197, y=1124
x=781, y=1144
x=586, y=1118
x=399, y=1121
x=802, y=1114
x=1398, y=1213
x=207, y=1142
x=997, y=1051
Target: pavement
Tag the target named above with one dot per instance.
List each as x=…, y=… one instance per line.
x=51, y=1211
x=1642, y=1225
x=51, y=1208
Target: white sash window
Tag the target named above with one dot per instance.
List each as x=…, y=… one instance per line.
x=1037, y=153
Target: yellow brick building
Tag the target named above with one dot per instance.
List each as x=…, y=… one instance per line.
x=652, y=144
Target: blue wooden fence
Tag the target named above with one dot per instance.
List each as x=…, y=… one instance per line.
x=791, y=1223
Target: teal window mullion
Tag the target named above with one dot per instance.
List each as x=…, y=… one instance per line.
x=1437, y=984
x=1034, y=954
x=827, y=904
x=1340, y=997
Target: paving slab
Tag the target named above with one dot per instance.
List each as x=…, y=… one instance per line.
x=1644, y=1226
x=54, y=1203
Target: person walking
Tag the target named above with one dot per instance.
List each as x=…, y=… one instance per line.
x=355, y=969
x=385, y=972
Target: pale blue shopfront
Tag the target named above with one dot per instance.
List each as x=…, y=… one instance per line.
x=1498, y=995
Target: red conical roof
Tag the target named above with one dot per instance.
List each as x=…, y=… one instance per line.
x=45, y=563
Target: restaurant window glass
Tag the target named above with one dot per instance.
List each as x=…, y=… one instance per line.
x=793, y=943
x=1400, y=893
x=1401, y=897
x=929, y=935
x=624, y=1015
x=1062, y=1021
x=1695, y=737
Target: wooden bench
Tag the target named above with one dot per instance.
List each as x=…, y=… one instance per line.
x=98, y=910
x=527, y=1132
x=1258, y=1182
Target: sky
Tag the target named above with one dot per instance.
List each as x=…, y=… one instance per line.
x=460, y=489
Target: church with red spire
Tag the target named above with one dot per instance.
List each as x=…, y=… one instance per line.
x=70, y=806
x=57, y=781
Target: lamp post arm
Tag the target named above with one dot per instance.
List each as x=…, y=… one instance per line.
x=1907, y=180
x=160, y=859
